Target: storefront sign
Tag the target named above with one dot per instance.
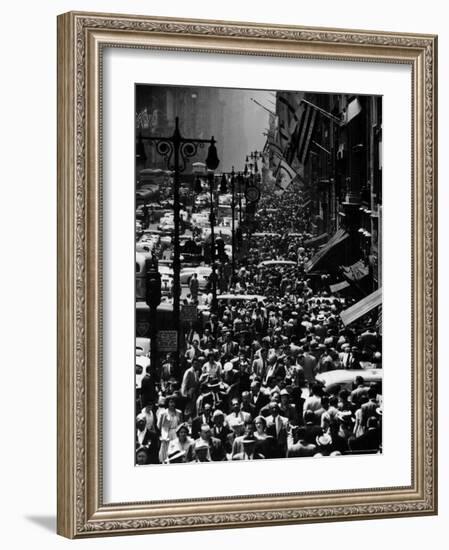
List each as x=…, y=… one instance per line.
x=167, y=340
x=189, y=313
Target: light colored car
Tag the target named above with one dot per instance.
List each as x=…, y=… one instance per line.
x=225, y=199
x=166, y=240
x=166, y=279
x=345, y=378
x=264, y=235
x=200, y=220
x=143, y=347
x=149, y=237
x=144, y=247
x=202, y=200
x=241, y=298
x=142, y=362
x=276, y=263
x=203, y=274
x=167, y=222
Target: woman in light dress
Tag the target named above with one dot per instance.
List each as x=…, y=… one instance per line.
x=359, y=428
x=182, y=445
x=168, y=421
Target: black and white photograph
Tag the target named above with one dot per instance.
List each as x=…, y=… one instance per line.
x=258, y=280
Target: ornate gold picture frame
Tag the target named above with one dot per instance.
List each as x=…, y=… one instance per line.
x=82, y=37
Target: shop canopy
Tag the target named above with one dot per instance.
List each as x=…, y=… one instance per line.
x=379, y=321
x=355, y=272
x=337, y=240
x=338, y=287
x=316, y=241
x=362, y=307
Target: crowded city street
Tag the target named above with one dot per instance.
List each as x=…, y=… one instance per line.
x=258, y=300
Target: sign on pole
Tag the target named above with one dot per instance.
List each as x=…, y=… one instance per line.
x=167, y=340
x=189, y=313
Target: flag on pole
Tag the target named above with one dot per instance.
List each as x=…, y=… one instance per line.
x=143, y=119
x=284, y=176
x=352, y=110
x=289, y=109
x=305, y=130
x=294, y=108
x=274, y=148
x=273, y=142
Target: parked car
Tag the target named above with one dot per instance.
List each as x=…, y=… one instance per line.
x=276, y=263
x=142, y=362
x=145, y=247
x=166, y=279
x=143, y=347
x=202, y=200
x=203, y=274
x=166, y=219
x=345, y=378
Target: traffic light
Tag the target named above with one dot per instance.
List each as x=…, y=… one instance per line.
x=239, y=236
x=220, y=246
x=153, y=285
x=198, y=186
x=223, y=185
x=212, y=160
x=250, y=208
x=241, y=183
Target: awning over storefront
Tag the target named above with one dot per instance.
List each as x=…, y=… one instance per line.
x=338, y=287
x=356, y=271
x=362, y=307
x=335, y=241
x=316, y=241
x=379, y=322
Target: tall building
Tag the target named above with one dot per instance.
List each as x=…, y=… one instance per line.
x=333, y=142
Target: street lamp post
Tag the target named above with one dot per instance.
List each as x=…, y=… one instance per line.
x=252, y=192
x=223, y=189
x=241, y=182
x=210, y=179
x=177, y=150
x=233, y=221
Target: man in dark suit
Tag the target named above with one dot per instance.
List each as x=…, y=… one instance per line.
x=312, y=430
x=249, y=450
x=279, y=428
x=299, y=446
x=204, y=418
x=237, y=430
x=212, y=325
x=216, y=449
x=257, y=397
x=229, y=348
x=146, y=439
x=219, y=429
x=148, y=393
x=260, y=364
x=370, y=441
x=260, y=322
x=207, y=339
x=361, y=389
x=287, y=409
x=296, y=398
x=369, y=409
x=246, y=404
